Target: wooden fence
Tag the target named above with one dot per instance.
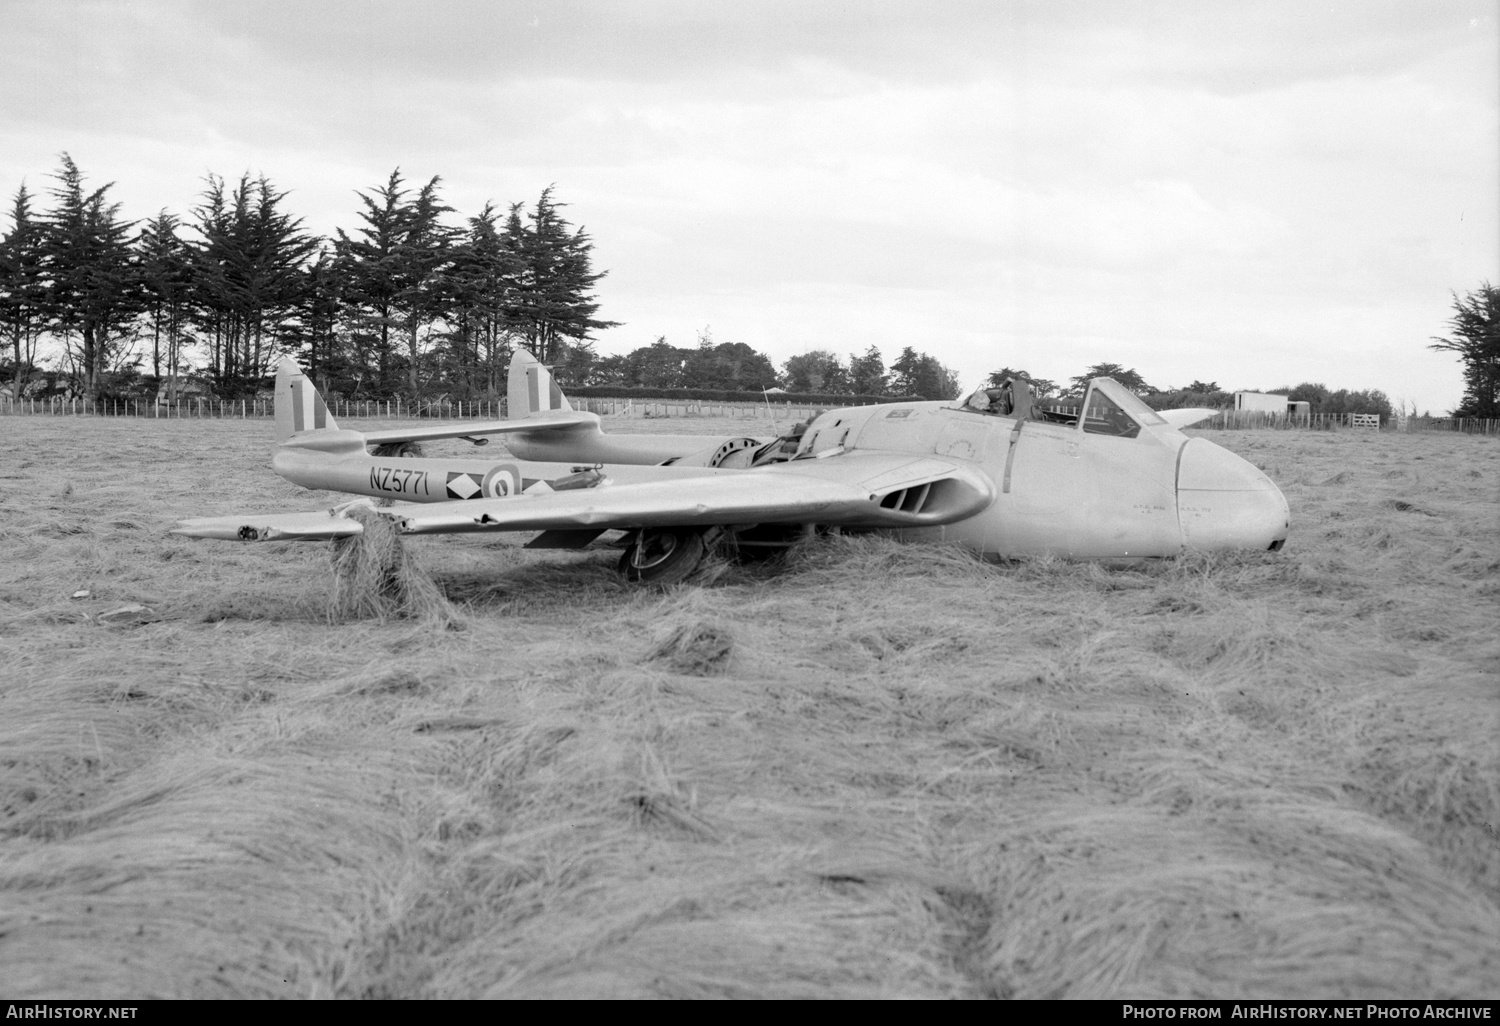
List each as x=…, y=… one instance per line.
x=491, y=409
x=1234, y=420
x=393, y=409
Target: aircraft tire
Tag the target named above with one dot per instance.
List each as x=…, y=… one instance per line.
x=662, y=556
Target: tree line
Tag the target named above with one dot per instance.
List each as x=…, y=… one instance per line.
x=404, y=303
x=1208, y=394
x=409, y=303
x=736, y=367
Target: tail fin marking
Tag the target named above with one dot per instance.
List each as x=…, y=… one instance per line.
x=299, y=404
x=308, y=408
x=532, y=389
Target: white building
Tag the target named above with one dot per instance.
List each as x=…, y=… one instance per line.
x=1260, y=401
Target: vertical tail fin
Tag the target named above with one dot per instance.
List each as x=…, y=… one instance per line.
x=299, y=404
x=530, y=388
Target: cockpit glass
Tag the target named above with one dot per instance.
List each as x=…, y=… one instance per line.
x=1103, y=416
x=1112, y=409
x=1131, y=404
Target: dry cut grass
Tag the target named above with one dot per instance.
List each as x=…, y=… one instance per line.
x=879, y=771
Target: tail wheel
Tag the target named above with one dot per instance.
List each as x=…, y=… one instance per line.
x=662, y=555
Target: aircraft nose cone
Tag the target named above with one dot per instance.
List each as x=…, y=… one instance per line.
x=1224, y=502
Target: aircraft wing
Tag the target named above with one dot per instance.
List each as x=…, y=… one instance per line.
x=1186, y=417
x=554, y=421
x=318, y=526
x=856, y=490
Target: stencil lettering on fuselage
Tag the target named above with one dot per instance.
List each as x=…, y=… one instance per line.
x=399, y=481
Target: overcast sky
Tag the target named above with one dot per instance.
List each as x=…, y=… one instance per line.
x=1252, y=193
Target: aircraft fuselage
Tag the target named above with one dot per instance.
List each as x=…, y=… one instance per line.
x=1095, y=488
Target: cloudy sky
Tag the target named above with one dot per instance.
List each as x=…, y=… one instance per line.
x=1252, y=193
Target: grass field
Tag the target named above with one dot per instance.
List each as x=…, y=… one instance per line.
x=881, y=771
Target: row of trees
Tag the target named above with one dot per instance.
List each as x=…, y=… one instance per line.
x=409, y=302
x=736, y=366
x=405, y=302
x=1475, y=338
x=1198, y=393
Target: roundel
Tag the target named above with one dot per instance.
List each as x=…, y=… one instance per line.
x=502, y=481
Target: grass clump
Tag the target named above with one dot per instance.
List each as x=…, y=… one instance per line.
x=698, y=649
x=374, y=577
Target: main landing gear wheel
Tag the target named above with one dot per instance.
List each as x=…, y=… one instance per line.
x=662, y=555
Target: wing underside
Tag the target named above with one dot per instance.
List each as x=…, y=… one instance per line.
x=547, y=423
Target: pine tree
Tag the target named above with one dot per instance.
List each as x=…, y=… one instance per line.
x=367, y=273
x=24, y=309
x=1124, y=375
x=480, y=285
x=312, y=332
x=554, y=294
x=95, y=285
x=248, y=277
x=1476, y=340
x=904, y=372
x=423, y=263
x=396, y=275
x=165, y=275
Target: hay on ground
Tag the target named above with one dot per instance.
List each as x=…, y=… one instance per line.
x=375, y=577
x=698, y=649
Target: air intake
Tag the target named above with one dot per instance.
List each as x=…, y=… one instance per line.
x=907, y=500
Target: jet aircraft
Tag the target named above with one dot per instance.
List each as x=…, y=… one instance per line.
x=997, y=473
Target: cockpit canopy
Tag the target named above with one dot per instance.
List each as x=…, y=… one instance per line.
x=1109, y=408
x=1112, y=409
